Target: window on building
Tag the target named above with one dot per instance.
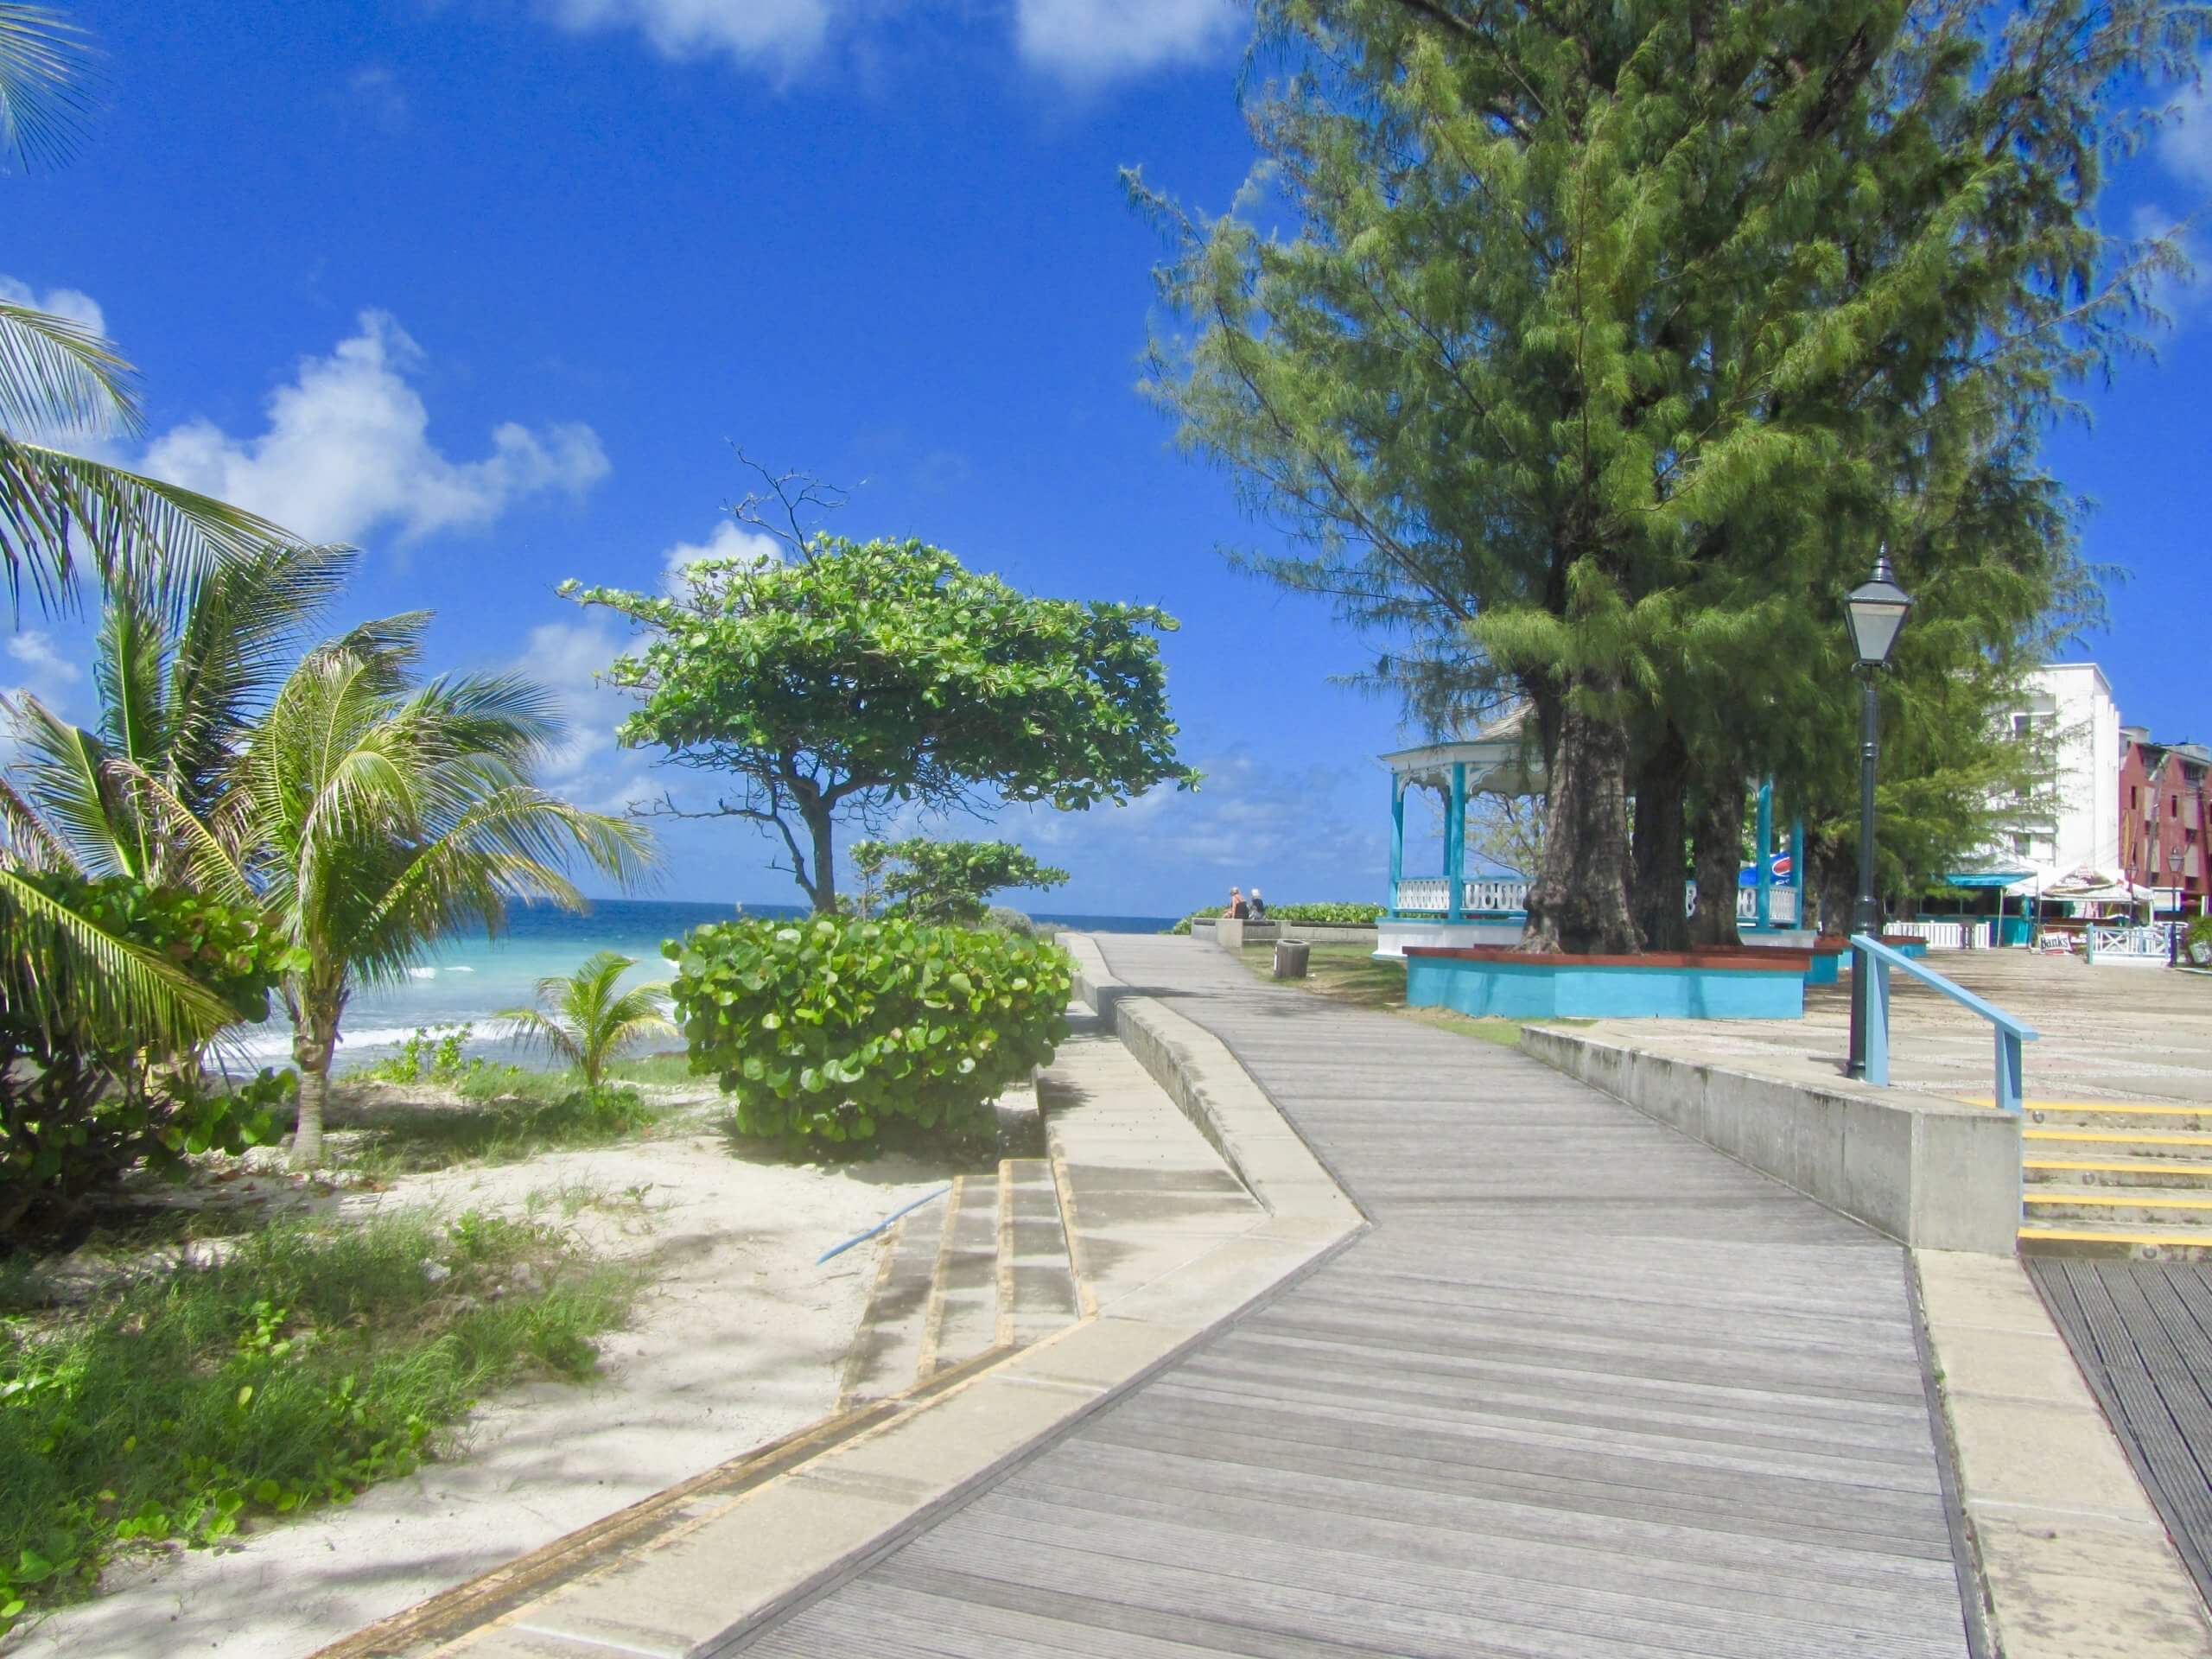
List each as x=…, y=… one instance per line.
x=2020, y=844
x=2023, y=724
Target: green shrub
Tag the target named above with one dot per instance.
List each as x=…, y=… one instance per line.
x=2197, y=943
x=311, y=1363
x=436, y=1054
x=1330, y=914
x=84, y=1099
x=828, y=1029
x=1336, y=914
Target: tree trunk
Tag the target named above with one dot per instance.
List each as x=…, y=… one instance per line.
x=821, y=826
x=314, y=1041
x=1832, y=876
x=1579, y=905
x=1658, y=868
x=1716, y=841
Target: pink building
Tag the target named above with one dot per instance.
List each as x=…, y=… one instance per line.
x=2165, y=810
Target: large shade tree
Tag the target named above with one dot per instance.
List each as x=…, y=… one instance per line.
x=1598, y=337
x=858, y=678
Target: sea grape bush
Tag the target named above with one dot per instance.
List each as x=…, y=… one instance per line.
x=827, y=1030
x=1322, y=913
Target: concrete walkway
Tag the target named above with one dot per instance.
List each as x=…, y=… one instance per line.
x=1585, y=1388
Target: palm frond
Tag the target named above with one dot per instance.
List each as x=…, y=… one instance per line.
x=529, y=1026
x=63, y=770
x=196, y=855
x=44, y=94
x=60, y=379
x=31, y=844
x=51, y=501
x=62, y=969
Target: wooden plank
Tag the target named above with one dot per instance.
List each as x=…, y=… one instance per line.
x=1586, y=1390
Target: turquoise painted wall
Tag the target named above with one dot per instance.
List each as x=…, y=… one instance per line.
x=1557, y=988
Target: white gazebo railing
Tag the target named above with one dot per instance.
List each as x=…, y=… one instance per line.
x=1490, y=896
x=1495, y=897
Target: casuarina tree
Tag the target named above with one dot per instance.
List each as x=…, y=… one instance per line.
x=859, y=678
x=1570, y=347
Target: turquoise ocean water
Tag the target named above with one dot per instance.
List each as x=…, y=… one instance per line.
x=465, y=980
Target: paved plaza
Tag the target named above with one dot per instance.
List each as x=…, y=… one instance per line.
x=2107, y=1033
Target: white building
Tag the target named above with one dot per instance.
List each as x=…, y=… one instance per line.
x=2072, y=703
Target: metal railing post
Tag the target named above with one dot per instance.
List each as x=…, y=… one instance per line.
x=2009, y=1071
x=1877, y=1036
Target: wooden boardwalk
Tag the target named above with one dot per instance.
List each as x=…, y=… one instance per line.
x=1586, y=1390
x=2142, y=1333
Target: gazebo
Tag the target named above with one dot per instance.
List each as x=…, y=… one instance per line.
x=1502, y=758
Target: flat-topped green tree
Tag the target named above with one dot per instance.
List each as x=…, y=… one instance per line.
x=861, y=677
x=946, y=882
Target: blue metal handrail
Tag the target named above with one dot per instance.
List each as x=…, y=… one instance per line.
x=2011, y=1032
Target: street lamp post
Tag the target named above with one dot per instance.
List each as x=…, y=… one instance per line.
x=1877, y=610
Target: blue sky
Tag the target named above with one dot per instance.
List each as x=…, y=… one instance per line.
x=488, y=286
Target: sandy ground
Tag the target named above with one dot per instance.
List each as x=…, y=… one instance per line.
x=738, y=1339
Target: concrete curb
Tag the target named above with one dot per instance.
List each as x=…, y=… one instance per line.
x=1934, y=1174
x=722, y=1565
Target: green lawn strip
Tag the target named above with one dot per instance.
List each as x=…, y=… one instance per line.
x=1352, y=973
x=403, y=1139
x=314, y=1362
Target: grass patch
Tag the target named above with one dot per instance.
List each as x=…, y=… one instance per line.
x=1351, y=973
x=311, y=1363
x=665, y=1070
x=559, y=1116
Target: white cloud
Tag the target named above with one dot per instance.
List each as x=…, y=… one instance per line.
x=782, y=32
x=2185, y=146
x=38, y=670
x=2175, y=293
x=79, y=307
x=729, y=540
x=1248, y=822
x=588, y=767
x=1097, y=39
x=44, y=665
x=347, y=451
x=374, y=92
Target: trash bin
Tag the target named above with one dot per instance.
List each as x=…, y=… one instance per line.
x=1290, y=958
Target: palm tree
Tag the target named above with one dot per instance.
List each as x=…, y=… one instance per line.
x=60, y=381
x=373, y=816
x=583, y=1019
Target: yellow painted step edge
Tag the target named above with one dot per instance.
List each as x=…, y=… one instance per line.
x=2074, y=1235
x=2137, y=1197
x=2144, y=1137
x=2141, y=1108
x=2160, y=1166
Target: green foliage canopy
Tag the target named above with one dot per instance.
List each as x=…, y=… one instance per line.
x=863, y=676
x=1605, y=347
x=946, y=883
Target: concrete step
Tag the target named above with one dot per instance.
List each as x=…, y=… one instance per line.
x=2118, y=1115
x=985, y=1269
x=2121, y=1166
x=2146, y=1244
x=2184, y=1145
x=2127, y=1209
